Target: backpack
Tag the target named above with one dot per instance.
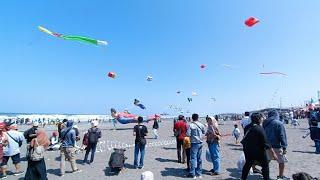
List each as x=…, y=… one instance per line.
x=37, y=153
x=117, y=159
x=94, y=135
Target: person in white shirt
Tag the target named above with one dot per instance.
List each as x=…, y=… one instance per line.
x=246, y=120
x=236, y=133
x=12, y=150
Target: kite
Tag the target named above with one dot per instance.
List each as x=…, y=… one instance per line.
x=202, y=66
x=227, y=66
x=251, y=21
x=190, y=99
x=112, y=75
x=149, y=78
x=137, y=103
x=81, y=39
x=214, y=99
x=126, y=118
x=178, y=92
x=273, y=73
x=194, y=94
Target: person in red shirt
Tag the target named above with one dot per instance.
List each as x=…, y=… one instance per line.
x=180, y=130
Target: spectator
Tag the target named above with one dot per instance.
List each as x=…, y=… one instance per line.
x=155, y=128
x=276, y=135
x=15, y=139
x=213, y=138
x=196, y=132
x=246, y=120
x=30, y=134
x=37, y=170
x=68, y=150
x=255, y=144
x=139, y=131
x=180, y=130
x=94, y=134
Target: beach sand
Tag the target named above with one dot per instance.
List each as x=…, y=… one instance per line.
x=161, y=158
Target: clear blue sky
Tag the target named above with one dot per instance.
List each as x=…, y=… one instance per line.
x=168, y=39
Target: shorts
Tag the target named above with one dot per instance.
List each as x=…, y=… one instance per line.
x=15, y=159
x=281, y=157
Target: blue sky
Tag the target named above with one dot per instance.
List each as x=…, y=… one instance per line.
x=166, y=39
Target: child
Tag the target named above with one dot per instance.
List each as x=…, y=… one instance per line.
x=186, y=152
x=236, y=133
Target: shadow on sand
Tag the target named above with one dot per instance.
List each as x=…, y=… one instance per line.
x=121, y=129
x=166, y=160
x=233, y=145
x=173, y=172
x=54, y=171
x=237, y=149
x=166, y=148
x=305, y=152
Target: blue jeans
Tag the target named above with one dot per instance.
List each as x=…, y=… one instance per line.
x=215, y=156
x=195, y=159
x=139, y=148
x=317, y=142
x=91, y=147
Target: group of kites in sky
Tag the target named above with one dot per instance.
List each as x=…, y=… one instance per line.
x=250, y=22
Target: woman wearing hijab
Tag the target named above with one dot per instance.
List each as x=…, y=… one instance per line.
x=213, y=137
x=37, y=169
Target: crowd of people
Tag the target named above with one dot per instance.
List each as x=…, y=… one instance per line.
x=264, y=139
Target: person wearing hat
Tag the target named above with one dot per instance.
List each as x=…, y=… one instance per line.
x=30, y=134
x=15, y=139
x=94, y=134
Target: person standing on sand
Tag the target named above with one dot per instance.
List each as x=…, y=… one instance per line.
x=155, y=128
x=29, y=135
x=277, y=137
x=245, y=121
x=68, y=150
x=12, y=150
x=180, y=130
x=94, y=134
x=139, y=131
x=255, y=144
x=213, y=138
x=37, y=170
x=196, y=132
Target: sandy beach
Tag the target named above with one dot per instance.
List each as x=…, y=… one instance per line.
x=161, y=155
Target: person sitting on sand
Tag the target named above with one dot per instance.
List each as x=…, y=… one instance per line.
x=54, y=142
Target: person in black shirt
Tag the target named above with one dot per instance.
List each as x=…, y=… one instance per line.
x=139, y=131
x=255, y=147
x=155, y=128
x=29, y=135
